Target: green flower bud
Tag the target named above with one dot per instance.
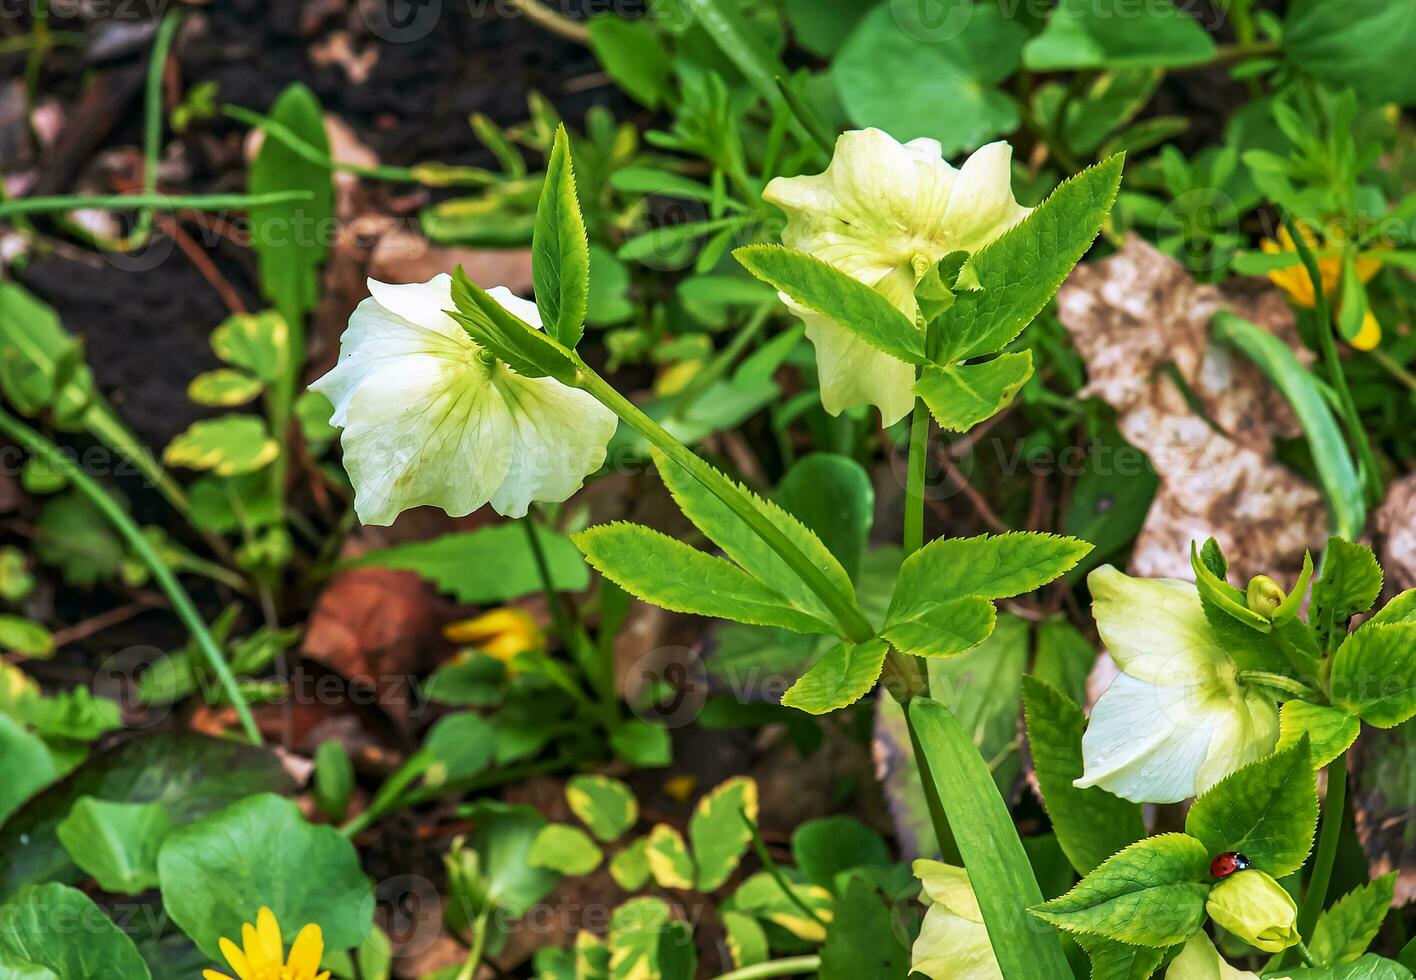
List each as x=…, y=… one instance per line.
x=467, y=887
x=1254, y=907
x=1264, y=595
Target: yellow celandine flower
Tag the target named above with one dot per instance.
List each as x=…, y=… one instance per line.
x=263, y=957
x=1295, y=281
x=501, y=633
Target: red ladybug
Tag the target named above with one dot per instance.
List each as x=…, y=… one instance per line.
x=1228, y=863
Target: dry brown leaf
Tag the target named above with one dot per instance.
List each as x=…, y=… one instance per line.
x=1137, y=319
x=1395, y=523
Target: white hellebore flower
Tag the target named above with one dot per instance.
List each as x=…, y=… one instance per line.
x=429, y=417
x=1176, y=720
x=953, y=941
x=885, y=213
x=1199, y=960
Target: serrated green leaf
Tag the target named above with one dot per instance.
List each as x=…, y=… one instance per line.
x=228, y=446
x=960, y=396
x=669, y=861
x=1111, y=960
x=257, y=343
x=1369, y=967
x=1350, y=583
x=1374, y=674
x=1091, y=824
x=940, y=597
x=1330, y=731
x=717, y=832
x=605, y=805
x=844, y=674
x=224, y=388
x=560, y=252
x=668, y=573
x=1021, y=270
x=849, y=303
x=561, y=847
x=725, y=529
x=1267, y=811
x=1345, y=930
x=116, y=843
x=998, y=866
x=1150, y=894
x=527, y=351
x=630, y=867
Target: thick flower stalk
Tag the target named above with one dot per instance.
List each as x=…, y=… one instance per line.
x=953, y=942
x=884, y=213
x=430, y=417
x=261, y=955
x=1178, y=718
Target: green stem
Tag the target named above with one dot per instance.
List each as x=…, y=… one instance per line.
x=848, y=616
x=572, y=632
x=765, y=856
x=790, y=966
x=1328, y=836
x=152, y=127
x=117, y=202
x=133, y=535
x=914, y=482
x=1280, y=682
x=479, y=942
x=1389, y=365
x=1301, y=948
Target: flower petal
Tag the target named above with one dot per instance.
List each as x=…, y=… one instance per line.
x=951, y=947
x=305, y=954
x=268, y=935
x=948, y=886
x=876, y=204
x=982, y=206
x=1199, y=960
x=420, y=303
x=236, y=958
x=851, y=372
x=558, y=436
x=1155, y=743
x=1154, y=628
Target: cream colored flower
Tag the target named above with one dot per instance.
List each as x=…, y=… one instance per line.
x=884, y=213
x=429, y=417
x=1177, y=719
x=1199, y=960
x=953, y=941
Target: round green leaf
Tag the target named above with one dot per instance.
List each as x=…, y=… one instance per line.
x=607, y=806
x=561, y=847
x=224, y=387
x=117, y=843
x=40, y=922
x=229, y=446
x=218, y=872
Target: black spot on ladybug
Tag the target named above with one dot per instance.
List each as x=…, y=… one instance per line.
x=1229, y=862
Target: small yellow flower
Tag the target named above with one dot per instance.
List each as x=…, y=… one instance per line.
x=264, y=955
x=1295, y=281
x=502, y=633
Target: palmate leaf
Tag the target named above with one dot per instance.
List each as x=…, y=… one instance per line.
x=1021, y=270
x=1091, y=824
x=560, y=252
x=960, y=396
x=941, y=604
x=811, y=283
x=1267, y=811
x=1151, y=894
x=842, y=676
x=668, y=573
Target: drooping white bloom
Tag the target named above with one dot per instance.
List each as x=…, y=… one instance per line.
x=1177, y=719
x=884, y=213
x=1199, y=960
x=429, y=417
x=953, y=941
